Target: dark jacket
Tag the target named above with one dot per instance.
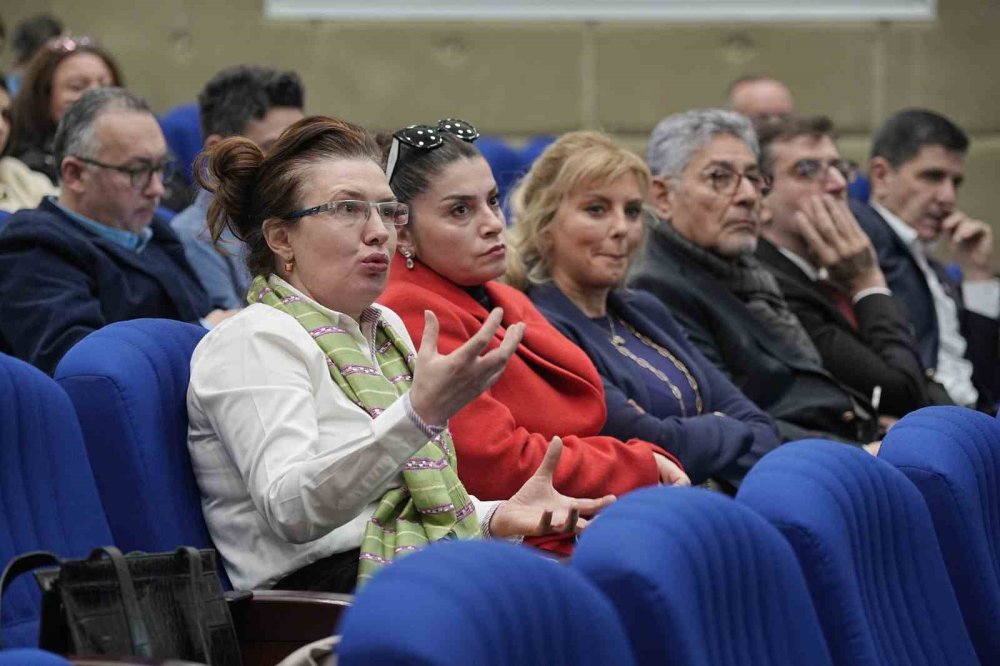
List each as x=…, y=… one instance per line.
x=804, y=401
x=909, y=286
x=709, y=446
x=59, y=282
x=880, y=352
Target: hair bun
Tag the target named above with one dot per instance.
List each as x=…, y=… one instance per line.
x=230, y=170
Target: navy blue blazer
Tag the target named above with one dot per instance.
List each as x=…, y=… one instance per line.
x=910, y=287
x=59, y=282
x=709, y=446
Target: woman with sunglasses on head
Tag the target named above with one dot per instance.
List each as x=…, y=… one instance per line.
x=316, y=434
x=61, y=71
x=449, y=258
x=579, y=217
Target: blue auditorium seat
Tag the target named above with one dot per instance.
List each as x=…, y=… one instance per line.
x=483, y=603
x=3, y=218
x=48, y=500
x=181, y=127
x=31, y=657
x=952, y=455
x=129, y=382
x=865, y=540
x=700, y=580
x=504, y=161
x=533, y=149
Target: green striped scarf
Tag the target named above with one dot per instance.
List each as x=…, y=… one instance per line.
x=432, y=503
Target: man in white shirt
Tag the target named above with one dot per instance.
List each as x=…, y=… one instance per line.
x=827, y=268
x=916, y=168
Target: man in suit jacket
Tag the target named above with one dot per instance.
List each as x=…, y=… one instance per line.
x=827, y=269
x=699, y=261
x=917, y=165
x=95, y=255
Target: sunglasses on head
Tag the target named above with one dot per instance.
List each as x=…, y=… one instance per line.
x=68, y=44
x=427, y=137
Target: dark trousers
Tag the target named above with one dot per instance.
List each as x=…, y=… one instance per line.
x=336, y=573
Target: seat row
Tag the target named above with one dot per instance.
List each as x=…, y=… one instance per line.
x=825, y=551
x=826, y=556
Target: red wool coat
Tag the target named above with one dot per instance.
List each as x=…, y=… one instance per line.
x=550, y=387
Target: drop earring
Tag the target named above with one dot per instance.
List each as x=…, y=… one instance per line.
x=408, y=254
x=290, y=264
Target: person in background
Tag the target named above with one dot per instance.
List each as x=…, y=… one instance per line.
x=699, y=261
x=29, y=36
x=579, y=217
x=827, y=269
x=20, y=187
x=258, y=103
x=450, y=256
x=916, y=168
x=58, y=74
x=96, y=254
x=318, y=438
x=760, y=97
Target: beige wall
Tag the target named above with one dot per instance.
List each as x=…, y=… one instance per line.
x=518, y=79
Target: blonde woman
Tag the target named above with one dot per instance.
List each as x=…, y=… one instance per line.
x=579, y=218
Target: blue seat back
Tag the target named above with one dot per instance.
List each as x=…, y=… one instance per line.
x=181, y=127
x=952, y=455
x=864, y=538
x=533, y=149
x=129, y=383
x=48, y=500
x=700, y=580
x=504, y=161
x=483, y=603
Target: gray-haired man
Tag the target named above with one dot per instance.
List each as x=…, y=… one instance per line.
x=96, y=254
x=699, y=260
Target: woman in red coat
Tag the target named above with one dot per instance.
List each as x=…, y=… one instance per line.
x=449, y=257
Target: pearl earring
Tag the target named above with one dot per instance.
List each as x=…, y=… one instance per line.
x=408, y=253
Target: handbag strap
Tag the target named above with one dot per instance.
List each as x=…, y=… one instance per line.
x=130, y=601
x=195, y=575
x=23, y=564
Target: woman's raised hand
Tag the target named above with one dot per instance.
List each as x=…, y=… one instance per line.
x=444, y=383
x=537, y=509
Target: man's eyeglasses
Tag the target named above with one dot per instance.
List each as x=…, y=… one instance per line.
x=427, y=137
x=813, y=170
x=726, y=180
x=352, y=213
x=140, y=175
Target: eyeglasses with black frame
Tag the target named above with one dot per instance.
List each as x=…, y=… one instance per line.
x=819, y=170
x=726, y=180
x=139, y=175
x=352, y=213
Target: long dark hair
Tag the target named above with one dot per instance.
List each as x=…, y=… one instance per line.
x=32, y=125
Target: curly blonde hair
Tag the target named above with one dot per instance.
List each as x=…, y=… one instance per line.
x=576, y=160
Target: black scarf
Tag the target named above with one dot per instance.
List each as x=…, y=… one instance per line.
x=755, y=287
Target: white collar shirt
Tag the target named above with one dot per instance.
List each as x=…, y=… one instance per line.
x=289, y=468
x=953, y=371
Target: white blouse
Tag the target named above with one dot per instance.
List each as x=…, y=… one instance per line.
x=289, y=468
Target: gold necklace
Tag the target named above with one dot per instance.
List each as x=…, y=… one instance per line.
x=619, y=344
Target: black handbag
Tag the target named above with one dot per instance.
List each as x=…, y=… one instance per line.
x=159, y=606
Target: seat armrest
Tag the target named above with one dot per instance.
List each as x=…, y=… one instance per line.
x=128, y=661
x=271, y=624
